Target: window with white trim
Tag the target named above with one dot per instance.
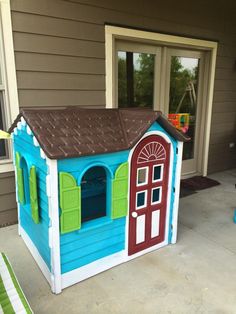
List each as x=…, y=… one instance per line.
x=9, y=106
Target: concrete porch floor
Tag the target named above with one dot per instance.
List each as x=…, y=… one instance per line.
x=197, y=275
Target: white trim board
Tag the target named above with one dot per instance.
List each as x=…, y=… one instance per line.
x=72, y=277
x=177, y=191
x=54, y=232
x=9, y=75
x=35, y=253
x=113, y=33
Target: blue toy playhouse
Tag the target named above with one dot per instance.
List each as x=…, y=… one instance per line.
x=95, y=187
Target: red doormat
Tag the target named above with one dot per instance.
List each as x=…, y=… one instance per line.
x=198, y=183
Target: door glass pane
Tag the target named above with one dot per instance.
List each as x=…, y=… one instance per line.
x=135, y=79
x=142, y=176
x=156, y=195
x=141, y=199
x=183, y=98
x=157, y=173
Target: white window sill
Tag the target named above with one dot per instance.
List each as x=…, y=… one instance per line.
x=6, y=166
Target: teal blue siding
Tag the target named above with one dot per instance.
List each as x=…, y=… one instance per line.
x=87, y=245
x=38, y=233
x=99, y=237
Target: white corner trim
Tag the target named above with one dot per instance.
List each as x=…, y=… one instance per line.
x=54, y=232
x=8, y=72
x=35, y=253
x=177, y=190
x=16, y=188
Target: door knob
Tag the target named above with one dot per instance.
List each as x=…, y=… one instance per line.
x=134, y=215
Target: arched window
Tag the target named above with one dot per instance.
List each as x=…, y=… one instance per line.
x=93, y=194
x=26, y=180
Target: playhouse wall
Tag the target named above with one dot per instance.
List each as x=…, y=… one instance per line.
x=97, y=238
x=38, y=233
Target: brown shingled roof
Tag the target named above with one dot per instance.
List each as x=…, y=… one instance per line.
x=74, y=132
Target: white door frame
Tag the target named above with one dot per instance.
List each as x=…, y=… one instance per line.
x=194, y=165
x=113, y=33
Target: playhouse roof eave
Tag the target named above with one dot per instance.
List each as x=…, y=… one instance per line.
x=75, y=132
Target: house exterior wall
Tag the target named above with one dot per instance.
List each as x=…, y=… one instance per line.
x=8, y=213
x=60, y=58
x=38, y=233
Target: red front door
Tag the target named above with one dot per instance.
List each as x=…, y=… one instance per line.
x=148, y=193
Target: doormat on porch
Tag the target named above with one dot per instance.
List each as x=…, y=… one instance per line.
x=198, y=183
x=186, y=192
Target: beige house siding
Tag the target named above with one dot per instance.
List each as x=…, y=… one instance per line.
x=8, y=214
x=60, y=55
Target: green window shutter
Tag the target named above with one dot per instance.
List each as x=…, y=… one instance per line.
x=20, y=180
x=34, y=195
x=70, y=203
x=120, y=191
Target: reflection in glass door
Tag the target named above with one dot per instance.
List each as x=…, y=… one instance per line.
x=138, y=75
x=183, y=97
x=135, y=79
x=184, y=102
x=169, y=80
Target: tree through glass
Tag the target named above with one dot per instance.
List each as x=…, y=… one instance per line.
x=135, y=79
x=183, y=98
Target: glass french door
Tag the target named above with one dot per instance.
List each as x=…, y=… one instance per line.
x=169, y=80
x=183, y=101
x=138, y=75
